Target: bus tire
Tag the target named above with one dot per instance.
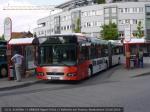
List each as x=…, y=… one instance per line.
x=3, y=71
x=90, y=72
x=107, y=65
x=119, y=61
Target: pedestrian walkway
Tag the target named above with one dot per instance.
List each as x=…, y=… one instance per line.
x=6, y=84
x=124, y=74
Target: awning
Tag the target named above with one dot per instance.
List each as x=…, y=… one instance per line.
x=136, y=40
x=23, y=41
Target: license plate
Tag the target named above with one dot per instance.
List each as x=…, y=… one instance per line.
x=55, y=78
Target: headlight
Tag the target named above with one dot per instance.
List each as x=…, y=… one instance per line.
x=40, y=73
x=71, y=74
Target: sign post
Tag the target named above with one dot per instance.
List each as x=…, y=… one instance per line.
x=7, y=36
x=127, y=39
x=7, y=28
x=127, y=31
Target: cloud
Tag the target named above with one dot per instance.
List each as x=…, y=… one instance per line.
x=22, y=20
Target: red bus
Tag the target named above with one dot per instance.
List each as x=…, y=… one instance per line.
x=72, y=57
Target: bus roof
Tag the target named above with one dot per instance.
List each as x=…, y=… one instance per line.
x=116, y=42
x=98, y=41
x=65, y=38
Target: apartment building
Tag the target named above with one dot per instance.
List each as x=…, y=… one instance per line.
x=92, y=16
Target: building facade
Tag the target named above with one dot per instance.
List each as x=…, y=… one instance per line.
x=90, y=16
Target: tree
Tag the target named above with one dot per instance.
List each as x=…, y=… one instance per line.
x=2, y=37
x=100, y=1
x=77, y=26
x=109, y=32
x=139, y=30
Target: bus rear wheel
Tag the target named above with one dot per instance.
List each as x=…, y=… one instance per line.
x=3, y=72
x=90, y=72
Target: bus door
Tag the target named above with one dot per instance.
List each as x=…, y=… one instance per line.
x=110, y=53
x=29, y=57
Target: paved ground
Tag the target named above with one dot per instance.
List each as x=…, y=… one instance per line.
x=116, y=87
x=102, y=90
x=120, y=73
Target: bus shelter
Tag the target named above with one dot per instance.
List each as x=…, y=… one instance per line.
x=27, y=47
x=132, y=48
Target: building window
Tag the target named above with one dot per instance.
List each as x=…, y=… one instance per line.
x=127, y=21
x=114, y=10
x=88, y=24
x=70, y=26
x=126, y=10
x=114, y=21
x=69, y=17
x=67, y=27
x=93, y=12
x=135, y=10
x=84, y=25
x=121, y=10
x=106, y=21
x=64, y=27
x=98, y=23
x=120, y=22
x=131, y=10
x=85, y=14
x=99, y=12
x=106, y=10
x=131, y=21
x=134, y=21
x=92, y=24
x=141, y=10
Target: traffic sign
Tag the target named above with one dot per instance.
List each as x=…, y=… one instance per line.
x=127, y=31
x=7, y=28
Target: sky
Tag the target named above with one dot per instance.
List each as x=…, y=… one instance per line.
x=24, y=20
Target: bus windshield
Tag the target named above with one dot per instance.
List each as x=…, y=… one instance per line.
x=58, y=54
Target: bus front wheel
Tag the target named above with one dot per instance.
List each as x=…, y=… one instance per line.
x=3, y=71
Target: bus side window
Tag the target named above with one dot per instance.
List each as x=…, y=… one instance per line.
x=84, y=53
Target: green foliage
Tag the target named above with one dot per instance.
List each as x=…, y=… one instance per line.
x=100, y=1
x=2, y=37
x=139, y=30
x=77, y=28
x=109, y=32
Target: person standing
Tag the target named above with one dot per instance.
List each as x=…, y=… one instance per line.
x=18, y=59
x=140, y=56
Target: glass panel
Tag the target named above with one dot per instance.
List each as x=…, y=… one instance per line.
x=106, y=11
x=113, y=10
x=58, y=55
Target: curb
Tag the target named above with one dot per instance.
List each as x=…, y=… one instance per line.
x=140, y=75
x=26, y=84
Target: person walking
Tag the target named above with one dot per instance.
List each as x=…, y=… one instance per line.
x=140, y=56
x=17, y=59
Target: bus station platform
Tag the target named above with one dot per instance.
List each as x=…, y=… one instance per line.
x=119, y=74
x=6, y=84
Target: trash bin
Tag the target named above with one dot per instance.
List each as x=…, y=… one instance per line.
x=12, y=72
x=131, y=63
